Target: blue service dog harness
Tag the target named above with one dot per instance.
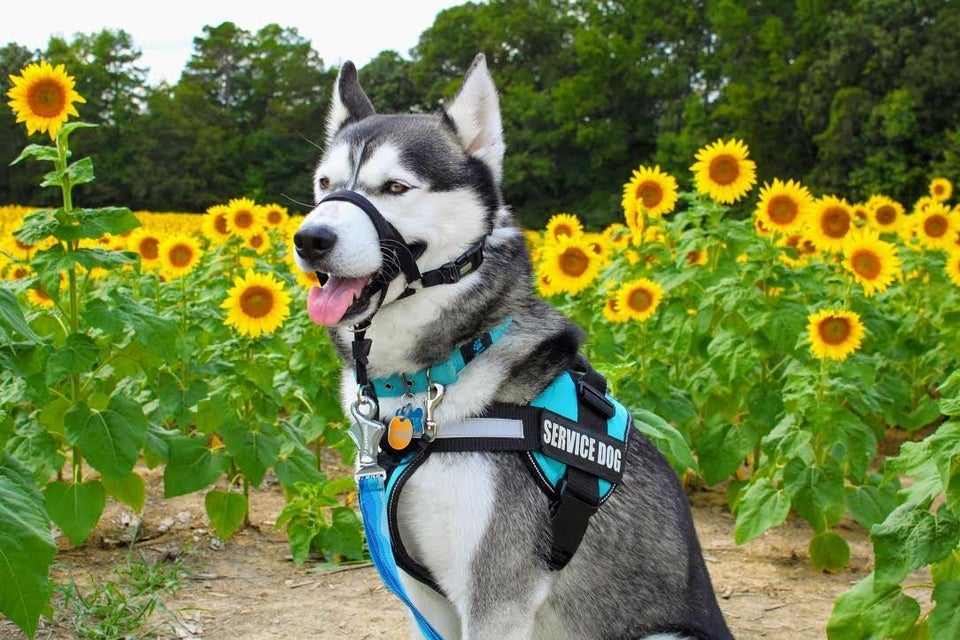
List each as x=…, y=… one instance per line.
x=573, y=435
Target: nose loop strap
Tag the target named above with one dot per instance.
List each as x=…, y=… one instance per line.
x=392, y=243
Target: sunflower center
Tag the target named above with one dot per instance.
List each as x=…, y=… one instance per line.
x=243, y=219
x=274, y=217
x=835, y=222
x=573, y=262
x=256, y=241
x=783, y=210
x=885, y=215
x=640, y=300
x=935, y=226
x=693, y=257
x=562, y=230
x=649, y=194
x=834, y=330
x=256, y=301
x=724, y=169
x=47, y=99
x=150, y=248
x=180, y=255
x=866, y=264
x=220, y=224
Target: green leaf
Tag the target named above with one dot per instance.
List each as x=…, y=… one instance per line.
x=300, y=534
x=829, y=552
x=863, y=612
x=666, y=438
x=76, y=508
x=944, y=619
x=191, y=466
x=816, y=493
x=227, y=511
x=12, y=318
x=80, y=172
x=95, y=223
x=253, y=450
x=722, y=448
x=910, y=538
x=130, y=490
x=26, y=547
x=298, y=465
x=759, y=508
x=79, y=354
x=343, y=536
x=38, y=152
x=868, y=505
x=110, y=440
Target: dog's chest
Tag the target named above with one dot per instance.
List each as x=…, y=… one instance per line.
x=443, y=513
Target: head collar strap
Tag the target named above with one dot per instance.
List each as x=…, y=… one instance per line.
x=399, y=256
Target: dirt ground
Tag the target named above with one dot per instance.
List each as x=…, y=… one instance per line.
x=249, y=588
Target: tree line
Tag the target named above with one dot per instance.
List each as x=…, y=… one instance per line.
x=851, y=97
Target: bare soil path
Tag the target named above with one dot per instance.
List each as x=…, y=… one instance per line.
x=249, y=588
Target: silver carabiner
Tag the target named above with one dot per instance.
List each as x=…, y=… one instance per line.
x=434, y=396
x=366, y=432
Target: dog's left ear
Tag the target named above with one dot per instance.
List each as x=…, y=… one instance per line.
x=475, y=114
x=349, y=102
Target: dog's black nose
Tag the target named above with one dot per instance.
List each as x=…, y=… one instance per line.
x=314, y=242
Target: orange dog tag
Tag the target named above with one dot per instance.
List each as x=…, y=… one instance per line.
x=399, y=432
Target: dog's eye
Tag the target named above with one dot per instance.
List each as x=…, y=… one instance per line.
x=324, y=183
x=396, y=187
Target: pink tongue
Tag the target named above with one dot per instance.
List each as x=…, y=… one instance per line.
x=326, y=305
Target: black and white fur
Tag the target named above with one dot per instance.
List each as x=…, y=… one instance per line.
x=478, y=521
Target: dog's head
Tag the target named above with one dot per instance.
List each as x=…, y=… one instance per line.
x=434, y=178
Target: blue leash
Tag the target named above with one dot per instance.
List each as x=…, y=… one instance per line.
x=373, y=508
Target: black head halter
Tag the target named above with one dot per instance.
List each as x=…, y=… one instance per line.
x=399, y=257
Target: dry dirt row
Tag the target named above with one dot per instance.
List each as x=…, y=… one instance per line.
x=248, y=588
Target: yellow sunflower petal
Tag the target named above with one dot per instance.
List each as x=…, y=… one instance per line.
x=835, y=333
x=724, y=172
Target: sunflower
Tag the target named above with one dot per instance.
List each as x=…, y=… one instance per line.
x=639, y=299
x=147, y=243
x=179, y=254
x=873, y=262
x=941, y=189
x=804, y=247
x=884, y=214
x=832, y=219
x=545, y=286
x=953, y=267
x=42, y=97
x=612, y=313
x=570, y=263
x=259, y=241
x=563, y=224
x=783, y=206
x=600, y=246
x=697, y=257
x=274, y=216
x=937, y=227
x=244, y=217
x=256, y=304
x=651, y=191
x=39, y=298
x=723, y=171
x=834, y=333
x=618, y=235
x=214, y=224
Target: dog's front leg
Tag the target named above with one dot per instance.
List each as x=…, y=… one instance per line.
x=434, y=607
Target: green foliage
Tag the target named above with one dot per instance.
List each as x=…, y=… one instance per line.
x=316, y=520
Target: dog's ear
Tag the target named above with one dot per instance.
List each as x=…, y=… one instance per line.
x=349, y=102
x=475, y=114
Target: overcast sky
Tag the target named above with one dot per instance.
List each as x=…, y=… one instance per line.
x=164, y=30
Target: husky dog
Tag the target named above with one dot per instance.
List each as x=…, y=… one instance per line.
x=476, y=524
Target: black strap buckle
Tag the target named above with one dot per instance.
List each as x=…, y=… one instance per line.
x=596, y=400
x=569, y=517
x=451, y=272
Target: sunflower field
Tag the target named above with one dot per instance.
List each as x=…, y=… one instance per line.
x=799, y=356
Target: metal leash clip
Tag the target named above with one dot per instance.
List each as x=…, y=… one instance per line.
x=366, y=432
x=434, y=396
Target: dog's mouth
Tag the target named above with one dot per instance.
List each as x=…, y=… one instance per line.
x=339, y=298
